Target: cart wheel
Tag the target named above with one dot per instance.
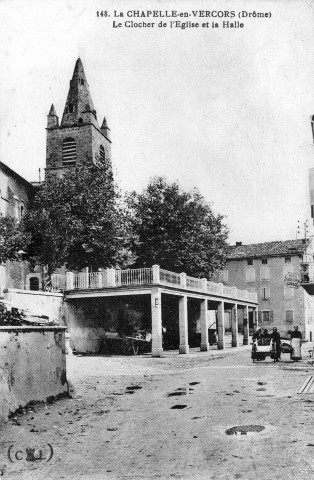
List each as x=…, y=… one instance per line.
x=135, y=348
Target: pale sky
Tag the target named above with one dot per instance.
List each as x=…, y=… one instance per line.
x=224, y=110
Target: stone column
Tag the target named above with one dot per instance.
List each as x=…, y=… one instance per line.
x=156, y=274
x=246, y=325
x=234, y=325
x=157, y=350
x=69, y=280
x=183, y=325
x=255, y=319
x=204, y=326
x=183, y=280
x=111, y=277
x=221, y=325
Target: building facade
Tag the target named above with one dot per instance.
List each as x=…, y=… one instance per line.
x=15, y=195
x=262, y=268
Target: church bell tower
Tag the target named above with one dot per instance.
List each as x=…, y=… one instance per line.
x=78, y=139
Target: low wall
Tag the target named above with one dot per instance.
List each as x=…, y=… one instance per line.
x=38, y=302
x=32, y=366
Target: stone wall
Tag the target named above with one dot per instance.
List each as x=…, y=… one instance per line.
x=32, y=366
x=38, y=303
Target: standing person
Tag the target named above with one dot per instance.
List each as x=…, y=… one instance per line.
x=257, y=334
x=275, y=336
x=296, y=336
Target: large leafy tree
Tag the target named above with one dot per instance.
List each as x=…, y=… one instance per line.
x=176, y=229
x=77, y=221
x=14, y=240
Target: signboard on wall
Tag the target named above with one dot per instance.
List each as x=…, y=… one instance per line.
x=292, y=280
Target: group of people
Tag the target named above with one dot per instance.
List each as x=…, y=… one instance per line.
x=295, y=336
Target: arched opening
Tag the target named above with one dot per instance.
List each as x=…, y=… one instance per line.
x=102, y=153
x=34, y=283
x=69, y=151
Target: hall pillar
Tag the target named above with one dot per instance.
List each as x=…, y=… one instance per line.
x=157, y=350
x=204, y=326
x=221, y=326
x=246, y=325
x=234, y=325
x=183, y=324
x=255, y=319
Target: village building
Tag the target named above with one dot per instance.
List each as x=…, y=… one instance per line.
x=262, y=267
x=15, y=195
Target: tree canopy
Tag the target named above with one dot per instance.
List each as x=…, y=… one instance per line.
x=176, y=229
x=77, y=220
x=14, y=240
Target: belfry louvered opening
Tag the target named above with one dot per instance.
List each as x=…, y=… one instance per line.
x=69, y=151
x=102, y=153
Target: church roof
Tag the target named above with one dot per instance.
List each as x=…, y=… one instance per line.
x=79, y=103
x=267, y=249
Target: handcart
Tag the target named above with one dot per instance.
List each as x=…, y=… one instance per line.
x=262, y=348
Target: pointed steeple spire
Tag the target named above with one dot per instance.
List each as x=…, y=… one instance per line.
x=105, y=129
x=53, y=120
x=52, y=110
x=79, y=107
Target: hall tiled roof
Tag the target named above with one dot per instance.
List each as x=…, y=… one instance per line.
x=267, y=249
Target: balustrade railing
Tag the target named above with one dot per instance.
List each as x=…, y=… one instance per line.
x=169, y=277
x=213, y=287
x=139, y=276
x=58, y=282
x=145, y=276
x=194, y=283
x=228, y=291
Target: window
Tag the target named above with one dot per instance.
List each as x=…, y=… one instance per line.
x=265, y=316
x=71, y=107
x=265, y=293
x=264, y=273
x=102, y=153
x=80, y=120
x=287, y=269
x=250, y=274
x=289, y=316
x=287, y=259
x=82, y=81
x=69, y=151
x=22, y=209
x=288, y=293
x=223, y=276
x=264, y=261
x=250, y=262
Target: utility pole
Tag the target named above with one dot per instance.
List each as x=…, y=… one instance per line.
x=305, y=230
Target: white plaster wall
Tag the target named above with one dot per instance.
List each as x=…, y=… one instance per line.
x=32, y=366
x=2, y=279
x=38, y=303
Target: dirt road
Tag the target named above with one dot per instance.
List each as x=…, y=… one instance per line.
x=123, y=423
